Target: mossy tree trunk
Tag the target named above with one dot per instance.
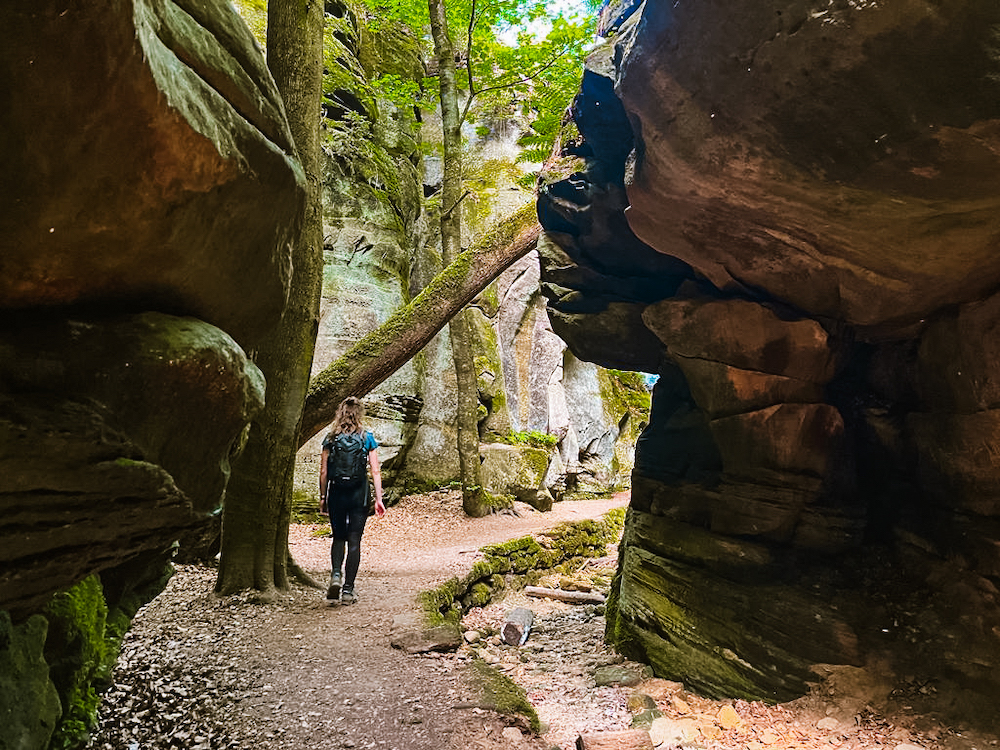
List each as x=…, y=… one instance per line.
x=383, y=351
x=257, y=508
x=460, y=328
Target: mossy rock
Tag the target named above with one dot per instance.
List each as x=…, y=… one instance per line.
x=80, y=657
x=29, y=701
x=520, y=562
x=503, y=695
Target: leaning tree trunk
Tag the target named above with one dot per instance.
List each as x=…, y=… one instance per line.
x=383, y=351
x=473, y=497
x=258, y=499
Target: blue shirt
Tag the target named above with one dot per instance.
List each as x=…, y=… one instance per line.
x=370, y=442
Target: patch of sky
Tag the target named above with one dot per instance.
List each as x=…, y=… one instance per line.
x=540, y=27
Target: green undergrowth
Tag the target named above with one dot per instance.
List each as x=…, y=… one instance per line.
x=78, y=657
x=521, y=562
x=533, y=438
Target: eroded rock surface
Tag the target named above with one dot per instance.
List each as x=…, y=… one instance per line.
x=788, y=211
x=151, y=196
x=147, y=164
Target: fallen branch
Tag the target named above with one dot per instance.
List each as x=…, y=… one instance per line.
x=518, y=625
x=573, y=597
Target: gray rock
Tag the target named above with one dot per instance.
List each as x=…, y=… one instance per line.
x=617, y=675
x=517, y=470
x=409, y=633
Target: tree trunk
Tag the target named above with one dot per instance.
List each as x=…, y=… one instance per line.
x=461, y=327
x=517, y=626
x=383, y=351
x=257, y=508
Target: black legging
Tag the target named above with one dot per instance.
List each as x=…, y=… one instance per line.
x=348, y=508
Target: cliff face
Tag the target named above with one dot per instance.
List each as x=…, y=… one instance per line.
x=381, y=249
x=789, y=211
x=150, y=193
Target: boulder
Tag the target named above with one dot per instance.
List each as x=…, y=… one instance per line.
x=957, y=359
x=29, y=702
x=145, y=248
x=411, y=634
x=122, y=460
x=152, y=199
x=844, y=161
x=812, y=198
x=518, y=470
x=744, y=335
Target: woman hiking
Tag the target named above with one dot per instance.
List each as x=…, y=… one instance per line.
x=348, y=452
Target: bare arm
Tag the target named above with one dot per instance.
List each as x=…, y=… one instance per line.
x=374, y=465
x=322, y=480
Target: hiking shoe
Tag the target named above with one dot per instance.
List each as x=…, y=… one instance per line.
x=348, y=596
x=333, y=593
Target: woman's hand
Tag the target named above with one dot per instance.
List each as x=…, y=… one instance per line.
x=379, y=507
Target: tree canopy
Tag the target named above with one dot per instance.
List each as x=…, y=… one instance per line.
x=514, y=59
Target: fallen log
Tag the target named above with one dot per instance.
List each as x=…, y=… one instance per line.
x=573, y=597
x=515, y=630
x=628, y=739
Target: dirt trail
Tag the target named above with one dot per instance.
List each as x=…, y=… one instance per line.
x=203, y=673
x=331, y=667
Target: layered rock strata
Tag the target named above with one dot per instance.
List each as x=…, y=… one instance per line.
x=789, y=211
x=151, y=193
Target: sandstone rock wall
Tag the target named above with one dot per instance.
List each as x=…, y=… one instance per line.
x=150, y=193
x=380, y=251
x=789, y=211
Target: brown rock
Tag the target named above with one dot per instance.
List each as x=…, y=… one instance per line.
x=176, y=184
x=722, y=390
x=760, y=179
x=744, y=335
x=790, y=437
x=659, y=689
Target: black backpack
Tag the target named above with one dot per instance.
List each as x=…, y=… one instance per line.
x=347, y=463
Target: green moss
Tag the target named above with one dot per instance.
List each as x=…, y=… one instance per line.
x=29, y=702
x=305, y=507
x=624, y=392
x=497, y=502
x=537, y=460
x=479, y=596
x=614, y=521
x=437, y=601
x=522, y=561
x=503, y=695
x=481, y=569
x=411, y=485
x=254, y=13
x=79, y=656
x=534, y=438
